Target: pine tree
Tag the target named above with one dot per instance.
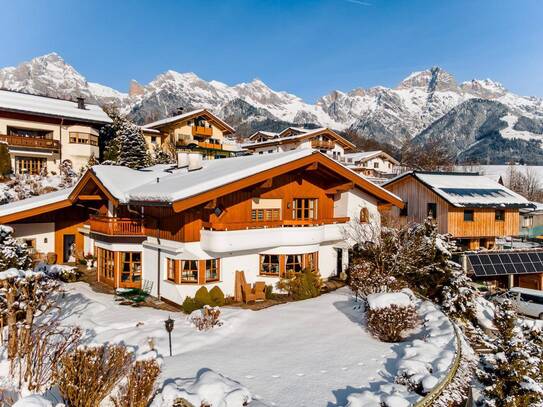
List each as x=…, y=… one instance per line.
x=162, y=155
x=12, y=253
x=458, y=297
x=511, y=374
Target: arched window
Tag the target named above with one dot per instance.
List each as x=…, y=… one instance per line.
x=364, y=215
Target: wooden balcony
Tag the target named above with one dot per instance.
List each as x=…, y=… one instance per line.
x=202, y=131
x=213, y=146
x=116, y=226
x=322, y=144
x=31, y=142
x=272, y=224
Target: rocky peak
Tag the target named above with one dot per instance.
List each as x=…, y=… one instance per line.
x=431, y=80
x=135, y=89
x=485, y=88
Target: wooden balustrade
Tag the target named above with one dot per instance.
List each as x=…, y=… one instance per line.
x=32, y=142
x=202, y=131
x=327, y=144
x=273, y=224
x=116, y=226
x=216, y=146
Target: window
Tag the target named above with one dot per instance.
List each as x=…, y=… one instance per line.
x=311, y=261
x=293, y=263
x=404, y=210
x=212, y=270
x=170, y=270
x=304, y=208
x=153, y=139
x=500, y=214
x=375, y=165
x=106, y=263
x=83, y=138
x=44, y=134
x=266, y=210
x=269, y=264
x=364, y=215
x=270, y=151
x=431, y=210
x=468, y=215
x=130, y=267
x=189, y=271
x=30, y=165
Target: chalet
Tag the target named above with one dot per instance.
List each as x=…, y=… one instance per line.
x=325, y=140
x=261, y=136
x=198, y=222
x=41, y=132
x=472, y=208
x=372, y=163
x=198, y=131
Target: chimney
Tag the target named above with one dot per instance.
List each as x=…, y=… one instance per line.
x=179, y=110
x=195, y=161
x=182, y=159
x=81, y=103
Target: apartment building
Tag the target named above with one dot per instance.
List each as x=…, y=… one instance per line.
x=41, y=132
x=372, y=163
x=196, y=223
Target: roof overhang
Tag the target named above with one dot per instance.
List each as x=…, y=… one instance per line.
x=14, y=217
x=221, y=124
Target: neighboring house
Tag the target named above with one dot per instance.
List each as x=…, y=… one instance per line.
x=198, y=130
x=182, y=228
x=531, y=222
x=261, y=136
x=473, y=208
x=41, y=132
x=292, y=138
x=372, y=163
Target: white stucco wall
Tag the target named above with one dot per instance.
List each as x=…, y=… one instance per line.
x=44, y=233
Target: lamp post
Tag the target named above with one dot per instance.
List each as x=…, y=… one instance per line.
x=169, y=328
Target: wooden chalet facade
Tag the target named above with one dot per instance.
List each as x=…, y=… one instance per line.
x=197, y=130
x=181, y=228
x=472, y=208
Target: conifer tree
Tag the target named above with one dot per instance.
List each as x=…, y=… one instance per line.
x=12, y=253
x=67, y=174
x=5, y=160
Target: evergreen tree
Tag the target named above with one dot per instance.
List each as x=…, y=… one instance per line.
x=458, y=297
x=12, y=253
x=162, y=155
x=67, y=174
x=511, y=375
x=91, y=163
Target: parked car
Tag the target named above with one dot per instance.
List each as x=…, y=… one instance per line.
x=528, y=302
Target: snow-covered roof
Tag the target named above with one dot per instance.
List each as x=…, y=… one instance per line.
x=362, y=156
x=46, y=106
x=268, y=134
x=187, y=115
x=306, y=133
x=467, y=189
x=35, y=202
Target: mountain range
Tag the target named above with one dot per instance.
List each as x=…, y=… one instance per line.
x=484, y=122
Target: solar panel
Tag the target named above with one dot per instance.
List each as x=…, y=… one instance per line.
x=497, y=264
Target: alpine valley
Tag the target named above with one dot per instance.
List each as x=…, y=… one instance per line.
x=484, y=122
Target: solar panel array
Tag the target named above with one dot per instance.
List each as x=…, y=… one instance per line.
x=499, y=264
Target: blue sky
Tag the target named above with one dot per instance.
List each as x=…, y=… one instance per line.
x=305, y=47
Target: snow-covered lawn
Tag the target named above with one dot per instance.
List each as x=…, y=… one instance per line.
x=308, y=353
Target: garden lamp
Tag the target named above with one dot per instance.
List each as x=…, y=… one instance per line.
x=169, y=328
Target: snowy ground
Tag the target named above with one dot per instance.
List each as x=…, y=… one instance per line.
x=307, y=353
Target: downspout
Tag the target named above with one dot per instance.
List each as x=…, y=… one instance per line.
x=60, y=141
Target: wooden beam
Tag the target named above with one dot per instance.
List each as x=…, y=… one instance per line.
x=312, y=167
x=35, y=211
x=266, y=184
x=89, y=197
x=211, y=204
x=340, y=188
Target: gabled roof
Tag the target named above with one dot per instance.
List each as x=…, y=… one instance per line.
x=182, y=189
x=35, y=205
x=363, y=156
x=307, y=133
x=267, y=134
x=189, y=115
x=294, y=130
x=466, y=190
x=51, y=107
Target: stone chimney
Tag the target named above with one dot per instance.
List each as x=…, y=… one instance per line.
x=195, y=161
x=81, y=103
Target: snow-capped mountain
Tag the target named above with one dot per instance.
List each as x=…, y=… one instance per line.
x=385, y=114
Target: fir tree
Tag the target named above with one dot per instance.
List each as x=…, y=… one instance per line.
x=12, y=253
x=161, y=155
x=458, y=297
x=511, y=374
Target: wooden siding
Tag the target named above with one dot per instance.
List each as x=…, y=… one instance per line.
x=484, y=223
x=417, y=196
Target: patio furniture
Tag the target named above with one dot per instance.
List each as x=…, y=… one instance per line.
x=247, y=293
x=260, y=291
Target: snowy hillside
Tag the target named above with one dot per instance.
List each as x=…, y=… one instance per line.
x=385, y=114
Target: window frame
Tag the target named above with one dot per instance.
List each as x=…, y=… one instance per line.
x=171, y=269
x=182, y=263
x=431, y=210
x=270, y=264
x=296, y=210
x=499, y=218
x=404, y=212
x=216, y=268
x=469, y=215
x=131, y=262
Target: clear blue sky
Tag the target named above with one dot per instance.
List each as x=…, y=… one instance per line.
x=304, y=47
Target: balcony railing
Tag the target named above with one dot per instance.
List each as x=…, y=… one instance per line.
x=31, y=142
x=116, y=226
x=215, y=146
x=272, y=224
x=326, y=144
x=202, y=131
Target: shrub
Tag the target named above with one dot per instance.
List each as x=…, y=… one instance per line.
x=365, y=279
x=88, y=374
x=269, y=292
x=389, y=323
x=301, y=286
x=217, y=297
x=202, y=298
x=5, y=161
x=70, y=275
x=207, y=319
x=189, y=305
x=140, y=385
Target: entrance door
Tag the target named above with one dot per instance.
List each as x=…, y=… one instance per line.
x=339, y=262
x=68, y=248
x=130, y=268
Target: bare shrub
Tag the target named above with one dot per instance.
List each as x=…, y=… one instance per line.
x=389, y=323
x=140, y=385
x=365, y=280
x=88, y=374
x=209, y=318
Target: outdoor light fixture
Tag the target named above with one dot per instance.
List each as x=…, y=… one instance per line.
x=168, y=324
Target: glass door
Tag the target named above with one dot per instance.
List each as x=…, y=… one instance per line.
x=130, y=268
